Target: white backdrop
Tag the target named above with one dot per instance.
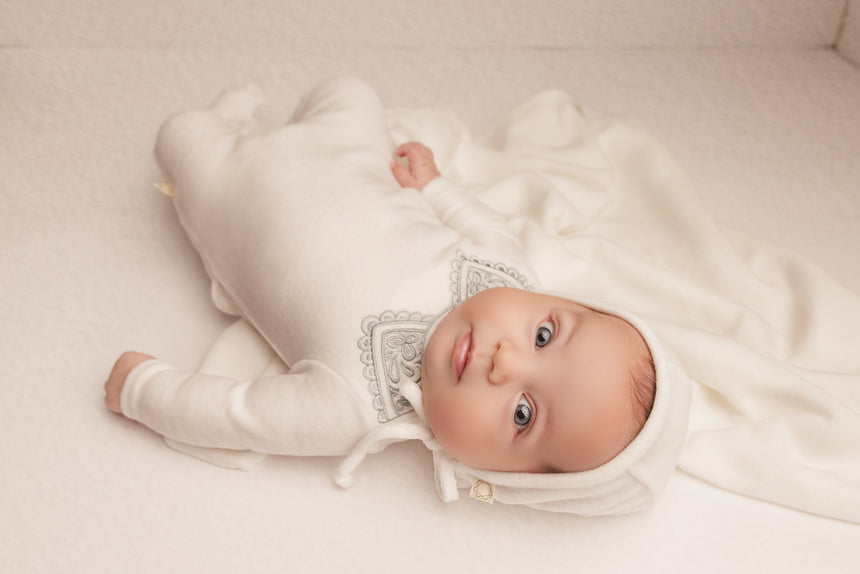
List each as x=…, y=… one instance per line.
x=93, y=262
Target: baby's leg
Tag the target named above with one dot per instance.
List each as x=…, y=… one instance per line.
x=348, y=116
x=198, y=141
x=192, y=147
x=259, y=206
x=237, y=106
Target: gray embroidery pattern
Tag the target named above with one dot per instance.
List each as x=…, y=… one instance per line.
x=391, y=351
x=392, y=343
x=472, y=275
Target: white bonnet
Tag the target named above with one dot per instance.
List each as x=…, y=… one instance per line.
x=627, y=483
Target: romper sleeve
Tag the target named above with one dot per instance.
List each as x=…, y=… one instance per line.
x=308, y=411
x=469, y=216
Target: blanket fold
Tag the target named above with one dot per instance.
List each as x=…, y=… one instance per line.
x=604, y=212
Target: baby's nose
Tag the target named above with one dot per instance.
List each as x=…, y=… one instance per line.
x=507, y=365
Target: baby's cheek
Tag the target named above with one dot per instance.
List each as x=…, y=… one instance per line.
x=445, y=417
x=460, y=428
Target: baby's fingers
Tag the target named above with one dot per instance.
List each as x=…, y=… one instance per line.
x=402, y=174
x=422, y=169
x=414, y=151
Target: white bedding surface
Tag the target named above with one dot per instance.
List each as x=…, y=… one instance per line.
x=93, y=262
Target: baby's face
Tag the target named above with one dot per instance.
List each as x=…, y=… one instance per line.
x=519, y=381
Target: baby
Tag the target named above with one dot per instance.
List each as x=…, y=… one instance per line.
x=518, y=381
x=526, y=397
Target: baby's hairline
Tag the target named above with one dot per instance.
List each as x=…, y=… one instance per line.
x=642, y=387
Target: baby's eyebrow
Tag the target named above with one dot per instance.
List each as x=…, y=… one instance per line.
x=562, y=324
x=572, y=321
x=545, y=423
x=546, y=434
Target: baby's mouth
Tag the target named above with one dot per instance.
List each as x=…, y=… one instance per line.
x=462, y=352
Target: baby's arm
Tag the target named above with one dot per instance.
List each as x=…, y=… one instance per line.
x=455, y=207
x=308, y=411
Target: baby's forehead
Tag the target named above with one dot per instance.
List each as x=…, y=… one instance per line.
x=592, y=412
x=620, y=323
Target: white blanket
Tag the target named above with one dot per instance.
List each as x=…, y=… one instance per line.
x=605, y=213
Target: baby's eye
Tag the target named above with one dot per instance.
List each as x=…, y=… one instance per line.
x=523, y=414
x=544, y=334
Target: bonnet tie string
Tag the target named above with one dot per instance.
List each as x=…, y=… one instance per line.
x=390, y=433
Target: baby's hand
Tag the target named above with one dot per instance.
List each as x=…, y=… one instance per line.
x=422, y=169
x=123, y=366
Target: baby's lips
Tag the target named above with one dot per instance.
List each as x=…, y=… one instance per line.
x=462, y=351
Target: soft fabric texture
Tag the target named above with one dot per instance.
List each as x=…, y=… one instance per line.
x=769, y=339
x=304, y=231
x=604, y=213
